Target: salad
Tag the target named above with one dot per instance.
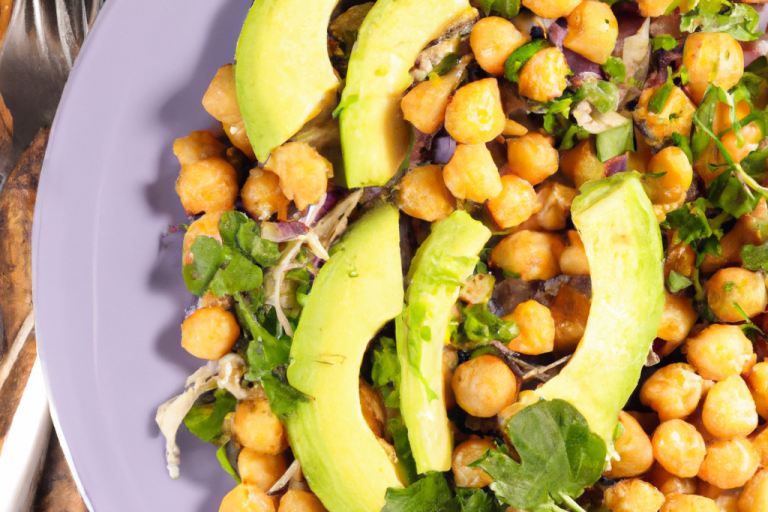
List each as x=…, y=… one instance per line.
x=486, y=256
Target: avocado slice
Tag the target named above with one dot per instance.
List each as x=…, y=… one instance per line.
x=374, y=135
x=283, y=73
x=442, y=263
x=356, y=292
x=623, y=243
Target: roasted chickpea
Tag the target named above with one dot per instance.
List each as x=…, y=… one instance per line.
x=758, y=385
x=492, y=40
x=728, y=501
x=760, y=442
x=424, y=105
x=532, y=157
x=634, y=449
x=207, y=225
x=474, y=114
x=472, y=174
x=673, y=391
x=220, y=100
x=542, y=78
x=197, y=146
x=570, y=310
x=580, y=164
x=740, y=286
x=450, y=362
x=422, y=194
x=555, y=200
x=667, y=192
x=653, y=8
x=296, y=500
x=209, y=333
x=466, y=453
x=592, y=31
x=531, y=254
x=754, y=497
x=247, y=498
x=373, y=409
x=688, y=503
x=752, y=135
x=729, y=410
x=477, y=288
x=260, y=469
x=303, y=172
x=484, y=386
x=729, y=463
x=633, y=496
x=516, y=203
x=573, y=260
x=257, y=428
x=720, y=351
x=676, y=116
x=208, y=185
x=668, y=483
x=679, y=447
x=712, y=58
x=537, y=329
x=262, y=196
x=677, y=319
x=551, y=9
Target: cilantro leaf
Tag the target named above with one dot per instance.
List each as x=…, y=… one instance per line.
x=659, y=99
x=560, y=458
x=207, y=257
x=738, y=20
x=755, y=257
x=482, y=326
x=386, y=370
x=263, y=252
x=430, y=494
x=522, y=55
x=706, y=116
x=754, y=164
x=664, y=42
x=727, y=192
x=475, y=500
x=677, y=282
x=616, y=69
x=405, y=461
x=221, y=455
x=205, y=418
x=603, y=95
x=283, y=398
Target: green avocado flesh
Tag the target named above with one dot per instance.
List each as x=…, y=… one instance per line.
x=282, y=72
x=623, y=245
x=356, y=292
x=374, y=135
x=444, y=261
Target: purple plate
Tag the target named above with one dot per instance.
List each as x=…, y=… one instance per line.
x=108, y=300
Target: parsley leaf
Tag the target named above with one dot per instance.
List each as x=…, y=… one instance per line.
x=263, y=252
x=560, y=458
x=240, y=275
x=522, y=55
x=615, y=68
x=205, y=418
x=738, y=20
x=208, y=256
x=430, y=494
x=221, y=455
x=727, y=192
x=659, y=99
x=754, y=164
x=664, y=42
x=706, y=116
x=755, y=257
x=475, y=500
x=677, y=282
x=482, y=326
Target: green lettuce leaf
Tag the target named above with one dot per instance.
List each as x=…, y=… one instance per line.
x=208, y=256
x=205, y=419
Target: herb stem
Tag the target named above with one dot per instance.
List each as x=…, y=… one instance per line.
x=571, y=503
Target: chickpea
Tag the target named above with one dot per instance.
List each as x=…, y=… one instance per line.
x=303, y=172
x=207, y=225
x=633, y=496
x=516, y=203
x=484, y=386
x=570, y=310
x=493, y=40
x=245, y=498
x=675, y=117
x=758, y=384
x=740, y=286
x=531, y=254
x=748, y=230
x=556, y=200
x=673, y=391
x=260, y=469
x=466, y=453
x=720, y=351
x=668, y=483
x=300, y=501
x=653, y=8
x=220, y=100
x=551, y=9
x=262, y=196
x=752, y=136
x=373, y=409
x=668, y=191
x=679, y=447
x=197, y=146
x=634, y=449
x=729, y=410
x=422, y=194
x=729, y=463
x=472, y=174
x=542, y=78
x=712, y=58
x=580, y=164
x=677, y=319
x=754, y=497
x=760, y=442
x=573, y=260
x=209, y=333
x=537, y=329
x=474, y=114
x=450, y=362
x=592, y=31
x=689, y=503
x=524, y=399
x=532, y=157
x=728, y=502
x=424, y=105
x=209, y=185
x=257, y=428
x=477, y=289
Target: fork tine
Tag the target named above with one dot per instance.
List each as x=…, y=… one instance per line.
x=38, y=13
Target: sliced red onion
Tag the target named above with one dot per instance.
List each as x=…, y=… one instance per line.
x=762, y=11
x=754, y=49
x=666, y=25
x=615, y=165
x=557, y=34
x=444, y=149
x=332, y=196
x=581, y=66
x=629, y=20
x=283, y=231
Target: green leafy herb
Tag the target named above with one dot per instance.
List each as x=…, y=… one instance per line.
x=655, y=174
x=615, y=142
x=264, y=252
x=229, y=225
x=603, y=95
x=447, y=64
x=749, y=329
x=205, y=418
x=706, y=116
x=207, y=257
x=386, y=371
x=482, y=326
x=221, y=455
x=475, y=500
x=283, y=398
x=664, y=42
x=430, y=494
x=755, y=163
x=571, y=135
x=738, y=20
x=693, y=227
x=560, y=457
x=682, y=143
x=522, y=55
x=661, y=96
x=240, y=275
x=755, y=257
x=513, y=275
x=405, y=461
x=507, y=8
x=727, y=192
x=677, y=282
x=616, y=69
